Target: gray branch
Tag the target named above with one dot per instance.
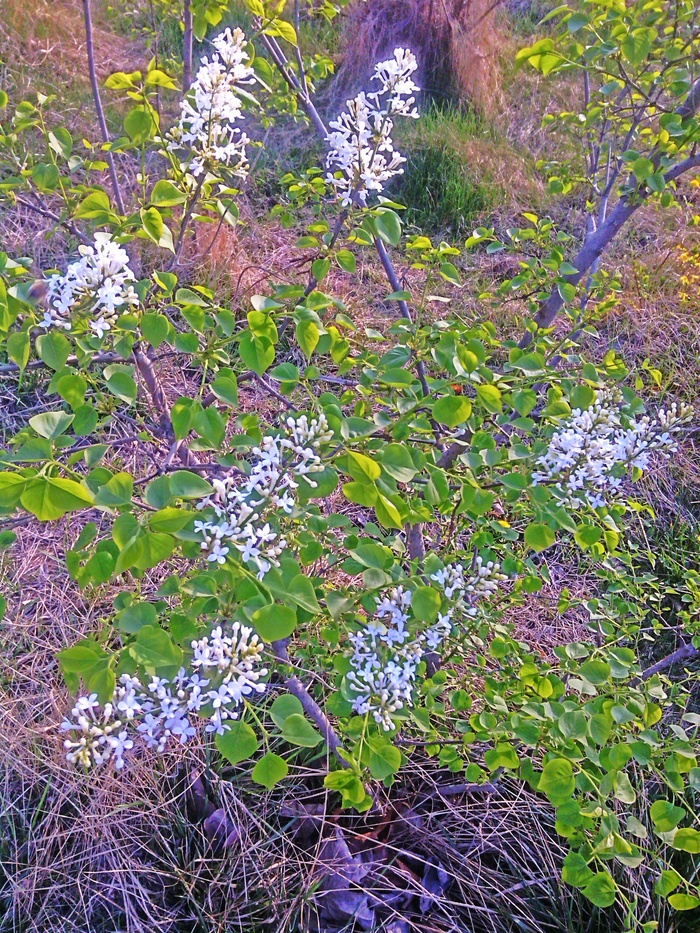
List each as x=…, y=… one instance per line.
x=98, y=104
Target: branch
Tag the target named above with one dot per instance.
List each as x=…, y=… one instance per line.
x=44, y=212
x=155, y=390
x=280, y=60
x=187, y=46
x=685, y=653
x=594, y=246
x=309, y=705
x=98, y=105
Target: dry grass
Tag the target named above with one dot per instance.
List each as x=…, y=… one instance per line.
x=455, y=42
x=44, y=43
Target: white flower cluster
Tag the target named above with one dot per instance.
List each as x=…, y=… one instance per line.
x=386, y=652
x=466, y=588
x=589, y=456
x=244, y=510
x=161, y=710
x=212, y=107
x=362, y=157
x=99, y=284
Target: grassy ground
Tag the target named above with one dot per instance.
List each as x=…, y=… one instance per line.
x=184, y=848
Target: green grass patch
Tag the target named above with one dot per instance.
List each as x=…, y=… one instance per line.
x=438, y=187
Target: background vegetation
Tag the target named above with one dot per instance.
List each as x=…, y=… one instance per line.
x=183, y=846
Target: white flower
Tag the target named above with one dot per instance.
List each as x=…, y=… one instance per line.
x=594, y=448
x=248, y=509
x=159, y=712
x=97, y=285
x=212, y=107
x=361, y=156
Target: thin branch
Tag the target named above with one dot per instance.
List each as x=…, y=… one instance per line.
x=155, y=390
x=45, y=212
x=280, y=60
x=185, y=223
x=98, y=105
x=187, y=46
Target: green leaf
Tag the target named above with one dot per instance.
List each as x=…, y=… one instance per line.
x=601, y=889
x=135, y=616
x=301, y=591
x=557, y=780
x=574, y=725
x=95, y=206
x=72, y=388
x=155, y=328
x=155, y=650
x=687, y=840
x=138, y=124
x=11, y=488
x=210, y=426
x=362, y=467
x=684, y=901
x=238, y=742
x=154, y=225
x=576, y=871
x=270, y=770
x=387, y=513
x=299, y=731
x=284, y=706
x=452, y=410
x=669, y=881
x=346, y=260
x=425, y=603
x=282, y=28
x=123, y=386
x=384, y=759
x=50, y=498
x=538, y=536
x=274, y=622
x=186, y=485
x=51, y=424
x=258, y=353
x=362, y=493
x=636, y=46
x=595, y=672
x=587, y=535
x=308, y=336
x=666, y=816
x=490, y=398
x=54, y=349
x=320, y=269
x=349, y=785
x=225, y=388
x=396, y=460
x=502, y=756
x=170, y=520
x=119, y=490
x=623, y=788
x=156, y=77
x=18, y=346
x=46, y=176
x=388, y=227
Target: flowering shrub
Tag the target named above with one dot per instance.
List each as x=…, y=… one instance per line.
x=362, y=545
